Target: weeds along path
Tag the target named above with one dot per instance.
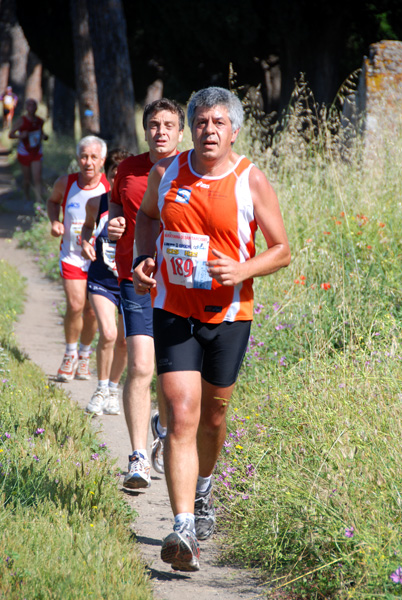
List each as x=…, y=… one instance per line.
x=39, y=333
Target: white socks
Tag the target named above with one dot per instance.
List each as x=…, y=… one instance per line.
x=203, y=483
x=71, y=349
x=84, y=351
x=186, y=520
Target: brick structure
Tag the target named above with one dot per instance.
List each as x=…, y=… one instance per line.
x=379, y=95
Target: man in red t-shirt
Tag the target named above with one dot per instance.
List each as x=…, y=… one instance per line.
x=163, y=122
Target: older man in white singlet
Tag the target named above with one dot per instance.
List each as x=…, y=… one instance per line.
x=71, y=193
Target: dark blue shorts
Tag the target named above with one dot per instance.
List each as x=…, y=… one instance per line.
x=136, y=310
x=215, y=350
x=100, y=290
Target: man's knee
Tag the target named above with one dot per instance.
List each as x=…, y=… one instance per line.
x=75, y=306
x=139, y=368
x=108, y=336
x=212, y=423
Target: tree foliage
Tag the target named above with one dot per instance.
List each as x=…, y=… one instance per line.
x=189, y=45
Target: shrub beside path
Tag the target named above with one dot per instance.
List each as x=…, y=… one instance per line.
x=39, y=333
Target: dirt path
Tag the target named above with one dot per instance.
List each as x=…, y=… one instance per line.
x=39, y=334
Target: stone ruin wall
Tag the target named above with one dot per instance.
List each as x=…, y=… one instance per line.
x=379, y=94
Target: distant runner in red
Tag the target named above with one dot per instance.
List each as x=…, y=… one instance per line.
x=29, y=131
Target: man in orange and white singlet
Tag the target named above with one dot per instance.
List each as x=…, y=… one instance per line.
x=209, y=202
x=71, y=193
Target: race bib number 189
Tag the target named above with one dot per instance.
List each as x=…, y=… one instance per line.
x=186, y=255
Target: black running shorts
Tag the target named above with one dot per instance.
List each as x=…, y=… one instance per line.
x=215, y=350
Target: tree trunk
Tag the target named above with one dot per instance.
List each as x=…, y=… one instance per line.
x=310, y=46
x=85, y=80
x=113, y=73
x=7, y=17
x=18, y=62
x=14, y=50
x=33, y=86
x=63, y=113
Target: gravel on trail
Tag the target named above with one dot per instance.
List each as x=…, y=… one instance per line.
x=39, y=334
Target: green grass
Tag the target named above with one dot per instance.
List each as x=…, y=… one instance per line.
x=310, y=477
x=64, y=526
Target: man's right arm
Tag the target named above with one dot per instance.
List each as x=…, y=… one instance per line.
x=53, y=206
x=117, y=223
x=13, y=135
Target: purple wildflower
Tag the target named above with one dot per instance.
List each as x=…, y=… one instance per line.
x=94, y=456
x=39, y=431
x=349, y=532
x=35, y=458
x=397, y=575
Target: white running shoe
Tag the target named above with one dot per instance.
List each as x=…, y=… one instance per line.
x=82, y=371
x=157, y=447
x=99, y=401
x=113, y=406
x=67, y=368
x=139, y=472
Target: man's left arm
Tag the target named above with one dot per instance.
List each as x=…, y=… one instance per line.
x=269, y=219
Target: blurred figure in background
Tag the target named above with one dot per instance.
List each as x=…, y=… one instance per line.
x=10, y=101
x=29, y=131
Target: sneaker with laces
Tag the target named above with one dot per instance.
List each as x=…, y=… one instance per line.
x=67, y=368
x=204, y=514
x=82, y=371
x=139, y=472
x=157, y=447
x=113, y=406
x=99, y=401
x=181, y=550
